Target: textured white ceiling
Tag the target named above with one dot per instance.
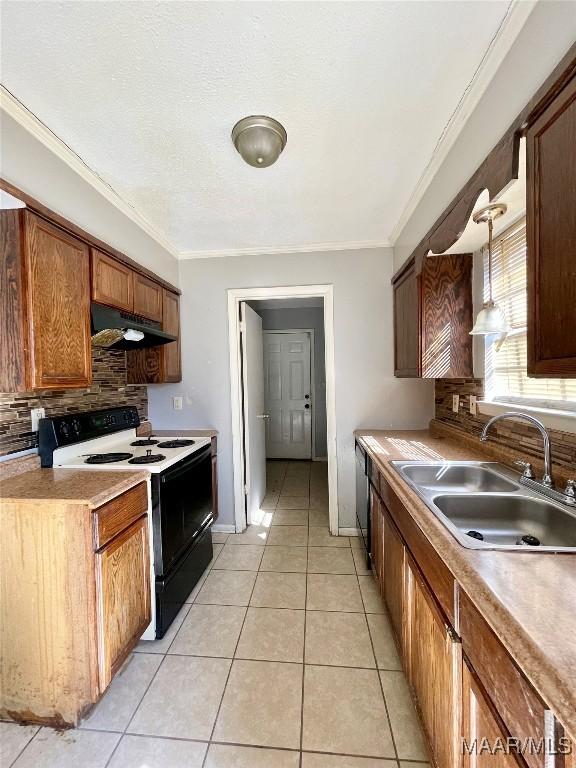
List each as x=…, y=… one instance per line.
x=146, y=93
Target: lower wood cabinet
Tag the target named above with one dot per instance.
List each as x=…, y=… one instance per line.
x=481, y=729
x=434, y=666
x=394, y=578
x=70, y=612
x=123, y=597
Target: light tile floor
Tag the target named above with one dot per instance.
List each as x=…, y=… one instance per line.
x=283, y=657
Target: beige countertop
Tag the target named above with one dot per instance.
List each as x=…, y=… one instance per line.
x=80, y=486
x=529, y=599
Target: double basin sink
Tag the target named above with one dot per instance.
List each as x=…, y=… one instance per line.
x=484, y=506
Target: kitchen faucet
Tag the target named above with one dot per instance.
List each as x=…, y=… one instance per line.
x=546, y=486
x=547, y=479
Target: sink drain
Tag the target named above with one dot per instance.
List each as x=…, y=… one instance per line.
x=529, y=541
x=476, y=535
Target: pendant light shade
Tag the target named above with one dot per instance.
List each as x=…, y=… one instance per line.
x=491, y=318
x=259, y=140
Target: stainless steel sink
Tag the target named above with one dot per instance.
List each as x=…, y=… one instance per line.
x=509, y=520
x=460, y=478
x=484, y=506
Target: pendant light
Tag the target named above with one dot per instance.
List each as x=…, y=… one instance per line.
x=259, y=140
x=491, y=319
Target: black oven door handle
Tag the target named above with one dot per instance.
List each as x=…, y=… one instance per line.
x=172, y=474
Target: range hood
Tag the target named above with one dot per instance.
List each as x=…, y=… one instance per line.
x=124, y=328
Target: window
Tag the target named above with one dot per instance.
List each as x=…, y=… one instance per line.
x=506, y=359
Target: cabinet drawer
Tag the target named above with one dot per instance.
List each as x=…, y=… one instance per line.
x=113, y=517
x=516, y=702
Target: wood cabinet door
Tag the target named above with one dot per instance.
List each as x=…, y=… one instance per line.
x=123, y=597
x=446, y=345
x=551, y=237
x=58, y=306
x=434, y=668
x=407, y=324
x=481, y=731
x=112, y=282
x=147, y=298
x=394, y=577
x=171, y=324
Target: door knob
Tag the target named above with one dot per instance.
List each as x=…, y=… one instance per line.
x=306, y=406
x=307, y=397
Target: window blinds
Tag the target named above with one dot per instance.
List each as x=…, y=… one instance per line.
x=506, y=360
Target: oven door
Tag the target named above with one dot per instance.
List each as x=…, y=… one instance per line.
x=182, y=507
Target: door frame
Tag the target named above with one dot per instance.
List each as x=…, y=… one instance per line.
x=235, y=296
x=310, y=332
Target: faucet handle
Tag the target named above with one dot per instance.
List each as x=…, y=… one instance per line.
x=570, y=491
x=528, y=472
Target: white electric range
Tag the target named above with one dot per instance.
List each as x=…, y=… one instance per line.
x=180, y=493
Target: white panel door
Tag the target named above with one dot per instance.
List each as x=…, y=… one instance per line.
x=254, y=414
x=287, y=395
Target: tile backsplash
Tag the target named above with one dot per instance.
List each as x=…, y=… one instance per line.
x=510, y=434
x=109, y=388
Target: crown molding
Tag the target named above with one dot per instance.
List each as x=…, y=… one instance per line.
x=354, y=245
x=18, y=112
x=516, y=16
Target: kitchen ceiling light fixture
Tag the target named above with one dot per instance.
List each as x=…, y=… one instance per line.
x=259, y=140
x=130, y=334
x=491, y=318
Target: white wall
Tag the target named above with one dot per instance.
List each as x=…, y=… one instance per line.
x=367, y=394
x=541, y=44
x=312, y=318
x=30, y=166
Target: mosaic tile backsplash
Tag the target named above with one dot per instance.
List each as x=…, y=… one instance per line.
x=516, y=435
x=109, y=388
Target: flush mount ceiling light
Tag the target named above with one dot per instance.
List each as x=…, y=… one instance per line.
x=490, y=319
x=259, y=139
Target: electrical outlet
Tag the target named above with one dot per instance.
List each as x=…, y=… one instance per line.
x=473, y=405
x=177, y=403
x=455, y=403
x=35, y=415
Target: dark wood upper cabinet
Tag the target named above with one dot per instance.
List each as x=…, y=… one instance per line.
x=551, y=237
x=112, y=282
x=45, y=328
x=147, y=298
x=433, y=318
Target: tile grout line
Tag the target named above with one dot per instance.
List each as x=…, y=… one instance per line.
x=228, y=675
x=379, y=676
x=304, y=639
x=25, y=747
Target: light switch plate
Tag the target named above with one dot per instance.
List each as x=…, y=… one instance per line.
x=35, y=415
x=473, y=405
x=177, y=403
x=455, y=403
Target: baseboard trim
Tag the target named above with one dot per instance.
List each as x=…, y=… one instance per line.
x=347, y=531
x=224, y=528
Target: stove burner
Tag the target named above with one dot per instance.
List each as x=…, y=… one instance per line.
x=107, y=458
x=149, y=458
x=147, y=441
x=176, y=443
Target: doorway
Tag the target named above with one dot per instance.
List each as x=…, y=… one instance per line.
x=278, y=398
